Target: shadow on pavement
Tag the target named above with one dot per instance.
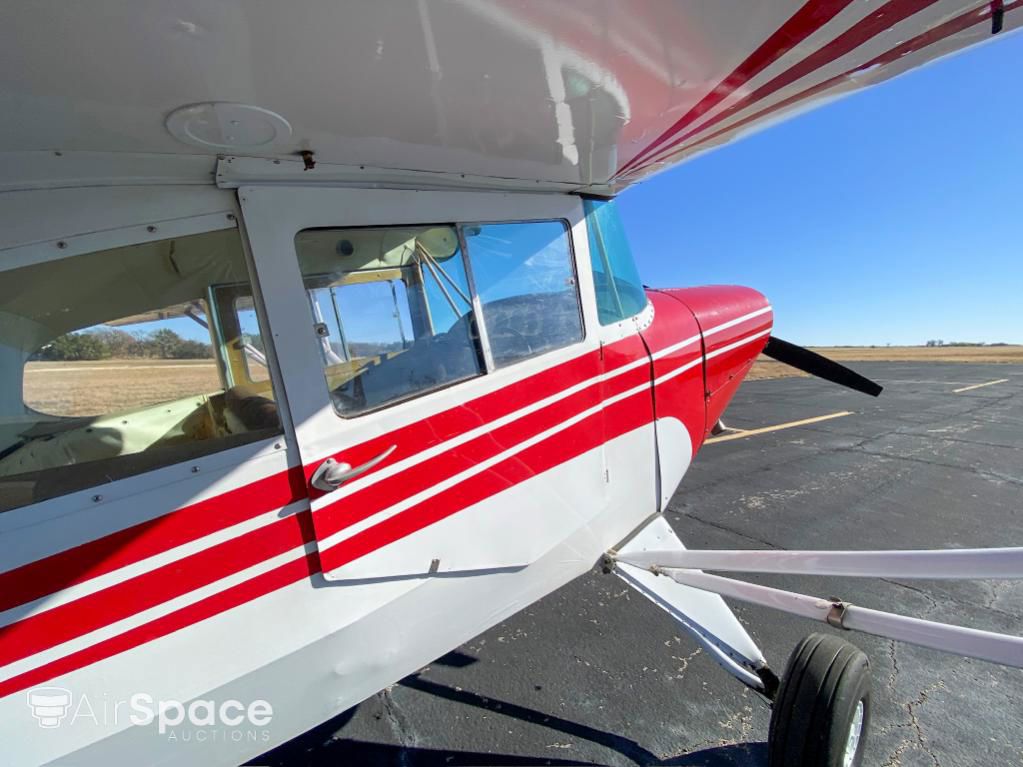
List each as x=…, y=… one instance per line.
x=321, y=746
x=734, y=755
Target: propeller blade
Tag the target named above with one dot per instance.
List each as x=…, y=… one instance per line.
x=816, y=365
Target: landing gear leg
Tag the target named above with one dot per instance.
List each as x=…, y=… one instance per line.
x=822, y=709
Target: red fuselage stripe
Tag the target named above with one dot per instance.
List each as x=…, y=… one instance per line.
x=65, y=622
x=53, y=573
x=121, y=600
x=425, y=474
x=589, y=433
x=429, y=432
x=257, y=587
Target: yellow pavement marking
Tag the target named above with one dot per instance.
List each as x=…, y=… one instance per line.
x=779, y=427
x=977, y=386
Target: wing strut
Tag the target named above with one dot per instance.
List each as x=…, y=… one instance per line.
x=685, y=567
x=939, y=564
x=968, y=642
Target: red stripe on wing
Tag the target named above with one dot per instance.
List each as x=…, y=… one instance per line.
x=805, y=22
x=930, y=37
x=891, y=13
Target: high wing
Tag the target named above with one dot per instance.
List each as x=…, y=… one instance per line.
x=571, y=95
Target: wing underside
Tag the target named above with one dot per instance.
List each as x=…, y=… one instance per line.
x=566, y=95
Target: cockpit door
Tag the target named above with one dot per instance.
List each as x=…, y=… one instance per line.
x=441, y=372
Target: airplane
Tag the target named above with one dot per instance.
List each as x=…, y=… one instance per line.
x=323, y=351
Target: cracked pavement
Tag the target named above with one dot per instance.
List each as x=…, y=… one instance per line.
x=595, y=674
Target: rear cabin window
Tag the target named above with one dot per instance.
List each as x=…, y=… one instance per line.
x=120, y=361
x=393, y=307
x=620, y=292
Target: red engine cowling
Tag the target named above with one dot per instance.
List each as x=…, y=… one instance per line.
x=703, y=342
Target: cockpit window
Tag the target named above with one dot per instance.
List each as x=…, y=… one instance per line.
x=395, y=307
x=120, y=361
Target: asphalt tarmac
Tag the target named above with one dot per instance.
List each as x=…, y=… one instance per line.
x=595, y=674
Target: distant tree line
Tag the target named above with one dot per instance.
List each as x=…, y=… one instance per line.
x=939, y=342
x=162, y=344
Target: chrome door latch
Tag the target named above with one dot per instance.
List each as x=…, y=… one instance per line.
x=331, y=474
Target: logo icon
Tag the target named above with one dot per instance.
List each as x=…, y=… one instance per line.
x=49, y=705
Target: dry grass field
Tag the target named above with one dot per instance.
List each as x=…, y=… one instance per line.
x=767, y=368
x=1007, y=354
x=110, y=386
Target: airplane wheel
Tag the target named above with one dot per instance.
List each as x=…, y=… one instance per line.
x=822, y=709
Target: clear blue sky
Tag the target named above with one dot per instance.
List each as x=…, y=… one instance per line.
x=891, y=216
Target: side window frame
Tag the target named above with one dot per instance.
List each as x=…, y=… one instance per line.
x=483, y=337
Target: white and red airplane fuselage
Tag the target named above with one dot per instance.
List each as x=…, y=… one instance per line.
x=207, y=580
x=213, y=556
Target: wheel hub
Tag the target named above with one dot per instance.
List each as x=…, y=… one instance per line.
x=852, y=743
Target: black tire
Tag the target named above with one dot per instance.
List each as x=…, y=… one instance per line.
x=825, y=681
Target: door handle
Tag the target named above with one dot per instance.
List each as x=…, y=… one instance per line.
x=330, y=474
